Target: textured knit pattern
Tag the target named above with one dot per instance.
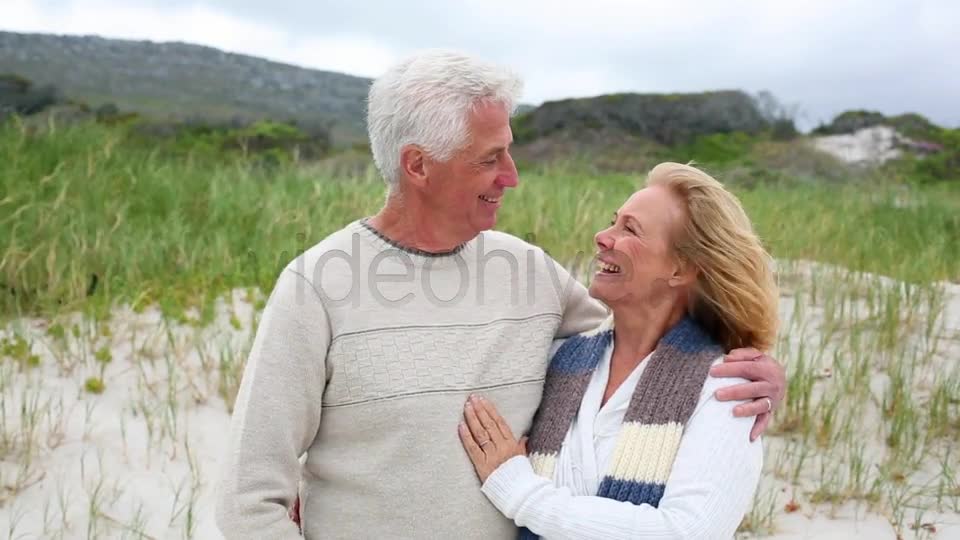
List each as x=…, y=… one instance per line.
x=369, y=374
x=367, y=378
x=666, y=396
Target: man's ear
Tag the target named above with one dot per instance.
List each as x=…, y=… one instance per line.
x=412, y=159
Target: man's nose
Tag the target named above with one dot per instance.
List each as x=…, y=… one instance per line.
x=508, y=176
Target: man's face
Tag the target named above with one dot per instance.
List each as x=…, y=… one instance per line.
x=469, y=188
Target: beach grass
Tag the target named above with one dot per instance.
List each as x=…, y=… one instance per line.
x=91, y=218
x=133, y=276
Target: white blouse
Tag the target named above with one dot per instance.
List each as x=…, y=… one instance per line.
x=710, y=488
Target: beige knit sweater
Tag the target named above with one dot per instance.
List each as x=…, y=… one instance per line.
x=363, y=359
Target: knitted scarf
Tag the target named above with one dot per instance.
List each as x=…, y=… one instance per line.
x=665, y=397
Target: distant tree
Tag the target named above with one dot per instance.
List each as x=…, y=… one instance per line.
x=782, y=118
x=19, y=95
x=106, y=111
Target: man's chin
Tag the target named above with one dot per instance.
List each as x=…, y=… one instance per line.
x=485, y=223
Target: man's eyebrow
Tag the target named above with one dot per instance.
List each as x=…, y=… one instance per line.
x=498, y=149
x=490, y=153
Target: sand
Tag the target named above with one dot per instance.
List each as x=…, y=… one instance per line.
x=141, y=459
x=867, y=146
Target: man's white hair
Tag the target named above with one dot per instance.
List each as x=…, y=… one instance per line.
x=426, y=100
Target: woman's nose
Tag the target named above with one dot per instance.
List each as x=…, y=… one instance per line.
x=604, y=239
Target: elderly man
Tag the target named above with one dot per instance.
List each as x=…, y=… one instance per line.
x=373, y=338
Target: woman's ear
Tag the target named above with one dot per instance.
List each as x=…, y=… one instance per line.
x=684, y=273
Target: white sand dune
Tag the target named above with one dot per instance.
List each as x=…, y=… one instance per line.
x=141, y=459
x=867, y=146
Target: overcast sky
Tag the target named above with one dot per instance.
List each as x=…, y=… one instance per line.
x=821, y=56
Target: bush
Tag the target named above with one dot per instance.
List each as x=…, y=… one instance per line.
x=266, y=141
x=779, y=116
x=19, y=95
x=783, y=129
x=851, y=121
x=944, y=166
x=914, y=126
x=719, y=148
x=522, y=127
x=802, y=161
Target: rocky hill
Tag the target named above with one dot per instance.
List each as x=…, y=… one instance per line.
x=183, y=84
x=178, y=80
x=182, y=81
x=667, y=119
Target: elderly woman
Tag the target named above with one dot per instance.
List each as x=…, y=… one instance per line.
x=629, y=440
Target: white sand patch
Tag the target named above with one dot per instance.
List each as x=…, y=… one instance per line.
x=853, y=483
x=141, y=459
x=849, y=525
x=867, y=146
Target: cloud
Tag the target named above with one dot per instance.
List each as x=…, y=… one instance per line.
x=825, y=56
x=200, y=24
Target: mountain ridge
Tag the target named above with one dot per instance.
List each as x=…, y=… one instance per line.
x=182, y=80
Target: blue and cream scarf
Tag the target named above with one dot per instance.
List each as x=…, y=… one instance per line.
x=665, y=397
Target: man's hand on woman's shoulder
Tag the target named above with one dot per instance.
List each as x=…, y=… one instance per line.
x=767, y=388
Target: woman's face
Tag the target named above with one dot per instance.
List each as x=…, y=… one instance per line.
x=636, y=262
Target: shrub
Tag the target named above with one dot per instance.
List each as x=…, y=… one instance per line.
x=943, y=166
x=719, y=148
x=19, y=95
x=850, y=121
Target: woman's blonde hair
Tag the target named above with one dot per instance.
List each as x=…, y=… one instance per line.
x=735, y=298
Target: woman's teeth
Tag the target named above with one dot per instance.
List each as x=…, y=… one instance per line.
x=493, y=200
x=609, y=268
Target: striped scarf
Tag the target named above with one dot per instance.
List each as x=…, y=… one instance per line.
x=665, y=397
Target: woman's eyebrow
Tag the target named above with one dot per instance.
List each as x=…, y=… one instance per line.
x=616, y=216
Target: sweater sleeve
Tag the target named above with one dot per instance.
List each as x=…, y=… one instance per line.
x=710, y=488
x=276, y=415
x=581, y=312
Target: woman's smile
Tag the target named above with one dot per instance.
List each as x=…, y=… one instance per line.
x=607, y=269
